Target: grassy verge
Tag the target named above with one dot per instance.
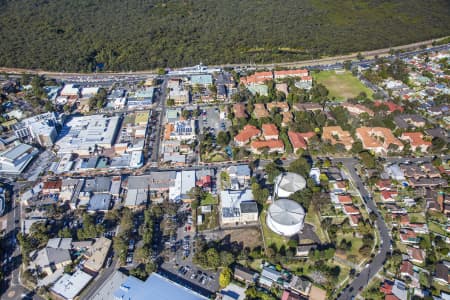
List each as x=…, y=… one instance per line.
x=270, y=236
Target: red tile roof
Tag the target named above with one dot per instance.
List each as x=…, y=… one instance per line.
x=388, y=195
x=407, y=268
x=52, y=185
x=297, y=140
x=355, y=219
x=247, y=133
x=391, y=105
x=258, y=77
x=415, y=139
x=271, y=144
x=383, y=184
x=345, y=199
x=351, y=209
x=270, y=130
x=291, y=73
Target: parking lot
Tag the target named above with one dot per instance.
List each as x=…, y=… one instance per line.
x=210, y=118
x=180, y=265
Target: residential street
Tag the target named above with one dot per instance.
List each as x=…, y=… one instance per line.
x=365, y=275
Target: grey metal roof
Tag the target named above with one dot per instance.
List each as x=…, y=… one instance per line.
x=286, y=212
x=249, y=207
x=99, y=202
x=98, y=185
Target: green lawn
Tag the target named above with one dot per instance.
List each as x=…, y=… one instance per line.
x=436, y=228
x=313, y=219
x=341, y=86
x=417, y=218
x=356, y=244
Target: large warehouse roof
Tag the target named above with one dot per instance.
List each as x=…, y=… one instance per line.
x=155, y=287
x=286, y=212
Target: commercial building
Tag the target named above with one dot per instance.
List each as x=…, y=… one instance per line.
x=97, y=254
x=141, y=98
x=201, y=80
x=88, y=134
x=237, y=207
x=107, y=289
x=288, y=183
x=70, y=90
x=184, y=182
x=183, y=130
x=285, y=217
x=48, y=260
x=40, y=129
x=257, y=78
x=15, y=159
x=155, y=287
x=68, y=287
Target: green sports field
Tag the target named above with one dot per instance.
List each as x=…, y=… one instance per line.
x=342, y=85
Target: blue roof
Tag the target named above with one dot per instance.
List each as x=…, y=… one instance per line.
x=155, y=287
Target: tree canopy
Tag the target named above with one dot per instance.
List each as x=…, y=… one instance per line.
x=88, y=35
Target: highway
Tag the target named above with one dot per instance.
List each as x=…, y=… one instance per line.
x=364, y=277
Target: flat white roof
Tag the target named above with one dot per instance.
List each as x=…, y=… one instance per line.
x=82, y=133
x=69, y=286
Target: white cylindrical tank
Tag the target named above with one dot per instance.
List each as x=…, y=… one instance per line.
x=288, y=183
x=285, y=217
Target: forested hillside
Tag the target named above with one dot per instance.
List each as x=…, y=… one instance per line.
x=77, y=35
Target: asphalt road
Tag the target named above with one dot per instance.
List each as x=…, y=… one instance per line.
x=363, y=278
x=100, y=280
x=11, y=287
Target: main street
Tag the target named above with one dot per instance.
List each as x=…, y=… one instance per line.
x=363, y=278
